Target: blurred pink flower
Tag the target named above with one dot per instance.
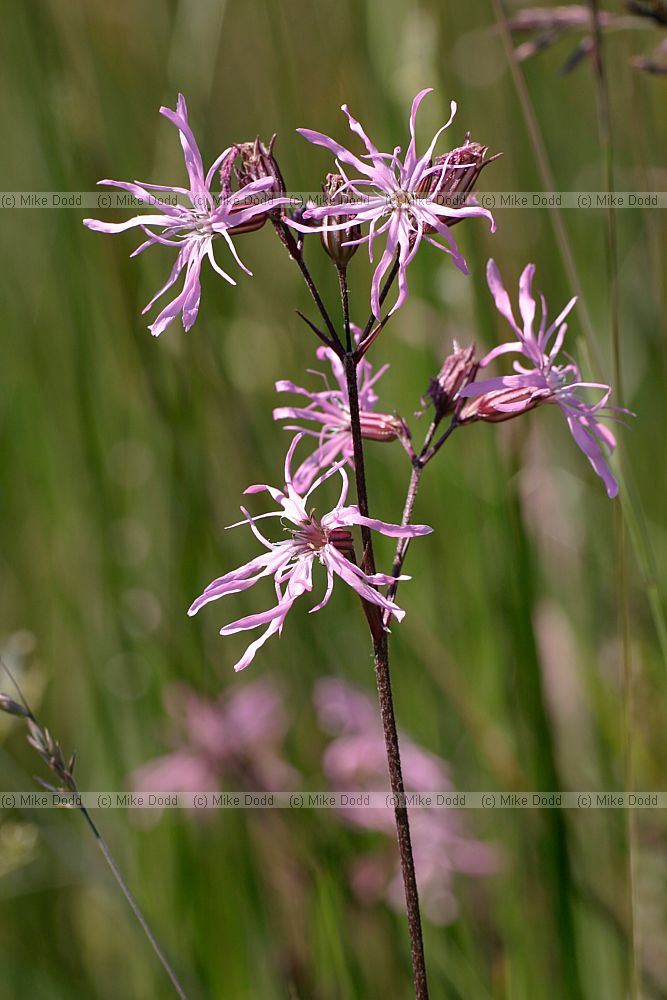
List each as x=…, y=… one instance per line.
x=356, y=760
x=326, y=540
x=329, y=407
x=235, y=737
x=398, y=198
x=542, y=380
x=191, y=230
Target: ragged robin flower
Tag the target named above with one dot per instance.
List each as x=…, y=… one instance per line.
x=543, y=379
x=399, y=198
x=192, y=228
x=328, y=409
x=326, y=540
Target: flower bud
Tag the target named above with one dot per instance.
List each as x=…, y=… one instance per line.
x=248, y=162
x=457, y=371
x=254, y=162
x=458, y=175
x=333, y=240
x=502, y=404
x=381, y=426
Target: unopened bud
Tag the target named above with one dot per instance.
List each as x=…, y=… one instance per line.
x=457, y=371
x=248, y=162
x=254, y=161
x=333, y=240
x=502, y=404
x=454, y=181
x=381, y=426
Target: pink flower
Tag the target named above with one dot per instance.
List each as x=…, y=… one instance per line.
x=326, y=540
x=355, y=760
x=237, y=737
x=329, y=407
x=542, y=380
x=397, y=197
x=180, y=771
x=191, y=229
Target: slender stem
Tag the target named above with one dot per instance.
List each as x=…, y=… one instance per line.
x=316, y=330
x=383, y=295
x=50, y=753
x=402, y=543
x=374, y=617
x=428, y=452
x=383, y=680
x=546, y=173
x=345, y=300
x=134, y=906
x=287, y=237
x=418, y=465
x=607, y=148
x=606, y=143
x=364, y=344
x=632, y=509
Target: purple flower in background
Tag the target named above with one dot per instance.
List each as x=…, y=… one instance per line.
x=235, y=737
x=326, y=540
x=329, y=407
x=355, y=760
x=191, y=229
x=399, y=198
x=542, y=380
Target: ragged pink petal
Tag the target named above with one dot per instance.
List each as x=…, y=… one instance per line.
x=400, y=198
x=543, y=379
x=193, y=228
x=311, y=541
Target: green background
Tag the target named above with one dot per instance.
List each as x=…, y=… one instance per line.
x=530, y=655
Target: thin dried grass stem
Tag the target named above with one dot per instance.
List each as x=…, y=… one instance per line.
x=607, y=148
x=49, y=750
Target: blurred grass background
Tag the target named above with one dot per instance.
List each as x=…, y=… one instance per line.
x=124, y=457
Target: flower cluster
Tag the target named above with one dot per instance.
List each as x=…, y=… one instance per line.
x=236, y=737
x=235, y=740
x=404, y=201
x=355, y=758
x=408, y=200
